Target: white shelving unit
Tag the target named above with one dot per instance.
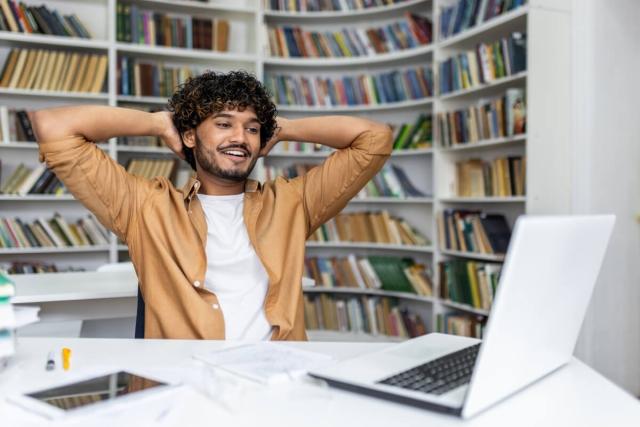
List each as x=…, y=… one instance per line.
x=546, y=78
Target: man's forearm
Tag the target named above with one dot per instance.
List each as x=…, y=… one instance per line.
x=333, y=131
x=94, y=122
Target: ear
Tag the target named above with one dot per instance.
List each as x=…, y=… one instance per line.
x=189, y=138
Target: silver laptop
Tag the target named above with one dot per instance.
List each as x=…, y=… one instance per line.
x=546, y=282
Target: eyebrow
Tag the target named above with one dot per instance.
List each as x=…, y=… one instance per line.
x=231, y=116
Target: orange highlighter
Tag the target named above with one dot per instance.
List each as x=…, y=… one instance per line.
x=66, y=358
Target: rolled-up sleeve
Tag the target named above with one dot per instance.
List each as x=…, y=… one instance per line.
x=101, y=184
x=328, y=187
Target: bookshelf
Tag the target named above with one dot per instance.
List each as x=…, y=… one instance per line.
x=432, y=169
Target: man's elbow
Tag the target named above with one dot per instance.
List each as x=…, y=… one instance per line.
x=384, y=136
x=41, y=122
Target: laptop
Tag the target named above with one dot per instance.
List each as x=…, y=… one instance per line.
x=546, y=282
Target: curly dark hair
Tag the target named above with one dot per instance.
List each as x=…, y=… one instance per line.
x=212, y=92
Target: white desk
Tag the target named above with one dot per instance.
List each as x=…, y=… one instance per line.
x=102, y=304
x=573, y=396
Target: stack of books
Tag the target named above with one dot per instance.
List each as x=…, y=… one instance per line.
x=371, y=315
x=465, y=14
x=500, y=117
x=53, y=233
x=469, y=282
x=20, y=18
x=59, y=71
x=488, y=62
x=372, y=272
x=160, y=29
x=375, y=227
x=502, y=177
x=286, y=41
x=38, y=180
x=352, y=90
x=473, y=231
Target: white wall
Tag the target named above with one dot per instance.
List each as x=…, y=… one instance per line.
x=606, y=176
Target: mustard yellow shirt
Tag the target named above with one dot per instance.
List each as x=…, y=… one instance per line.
x=165, y=229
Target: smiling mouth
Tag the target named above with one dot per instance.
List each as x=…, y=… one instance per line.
x=235, y=153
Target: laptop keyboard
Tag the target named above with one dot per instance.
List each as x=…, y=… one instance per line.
x=440, y=375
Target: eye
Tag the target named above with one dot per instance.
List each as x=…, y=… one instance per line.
x=253, y=130
x=223, y=125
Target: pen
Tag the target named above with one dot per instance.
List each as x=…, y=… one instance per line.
x=51, y=364
x=66, y=358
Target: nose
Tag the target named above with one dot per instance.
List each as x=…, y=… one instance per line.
x=238, y=135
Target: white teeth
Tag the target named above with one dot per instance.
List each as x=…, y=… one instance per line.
x=235, y=153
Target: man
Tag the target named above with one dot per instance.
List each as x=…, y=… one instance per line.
x=222, y=257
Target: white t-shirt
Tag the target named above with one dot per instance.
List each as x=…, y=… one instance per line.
x=234, y=271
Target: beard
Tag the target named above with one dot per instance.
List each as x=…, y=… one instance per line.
x=207, y=161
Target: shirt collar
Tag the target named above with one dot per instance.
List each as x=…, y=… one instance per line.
x=193, y=185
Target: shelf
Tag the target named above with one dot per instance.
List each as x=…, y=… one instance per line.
x=53, y=94
x=25, y=145
x=194, y=6
x=372, y=11
x=514, y=199
x=142, y=149
x=356, y=60
x=55, y=250
x=465, y=307
x=122, y=247
x=154, y=100
x=54, y=41
x=199, y=55
x=479, y=32
x=346, y=108
x=370, y=245
x=487, y=143
x=483, y=87
x=36, y=198
x=361, y=291
x=324, y=154
x=331, y=336
x=394, y=200
x=474, y=255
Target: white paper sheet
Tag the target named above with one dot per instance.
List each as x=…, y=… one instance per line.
x=265, y=362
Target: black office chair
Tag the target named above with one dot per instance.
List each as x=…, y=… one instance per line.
x=139, y=332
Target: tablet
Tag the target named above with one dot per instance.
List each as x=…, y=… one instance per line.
x=91, y=393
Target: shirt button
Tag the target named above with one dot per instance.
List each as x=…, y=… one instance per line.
x=215, y=306
x=196, y=283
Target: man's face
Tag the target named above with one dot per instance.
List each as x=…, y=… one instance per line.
x=227, y=144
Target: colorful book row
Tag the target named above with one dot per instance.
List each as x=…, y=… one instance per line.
x=370, y=315
x=374, y=227
x=487, y=63
x=54, y=233
x=466, y=14
x=500, y=117
x=151, y=79
x=38, y=180
x=35, y=267
x=20, y=18
x=469, y=282
x=473, y=231
x=41, y=69
x=363, y=89
x=501, y=177
x=461, y=324
x=159, y=29
x=295, y=42
x=372, y=272
x=325, y=5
